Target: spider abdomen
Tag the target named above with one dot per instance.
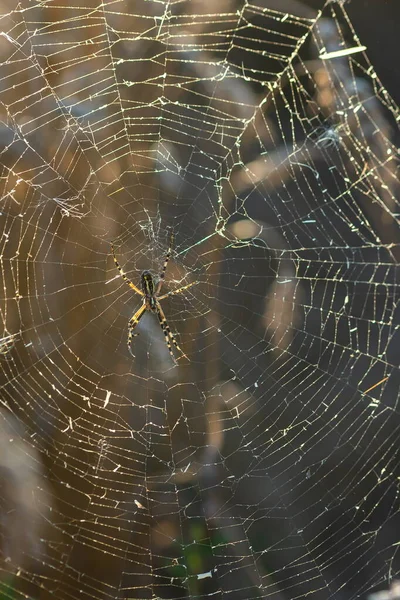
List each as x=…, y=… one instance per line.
x=148, y=287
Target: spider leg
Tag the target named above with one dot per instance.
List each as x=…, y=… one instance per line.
x=178, y=291
x=133, y=321
x=169, y=336
x=124, y=277
x=167, y=257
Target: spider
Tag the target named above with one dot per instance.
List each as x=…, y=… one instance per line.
x=150, y=293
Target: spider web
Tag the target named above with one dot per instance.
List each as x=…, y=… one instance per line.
x=267, y=465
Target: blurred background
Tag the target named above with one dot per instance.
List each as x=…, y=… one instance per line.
x=264, y=136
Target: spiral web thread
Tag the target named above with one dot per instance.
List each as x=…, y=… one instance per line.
x=265, y=465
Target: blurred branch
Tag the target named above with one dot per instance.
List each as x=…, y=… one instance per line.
x=368, y=137
x=25, y=497
x=280, y=314
x=393, y=593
